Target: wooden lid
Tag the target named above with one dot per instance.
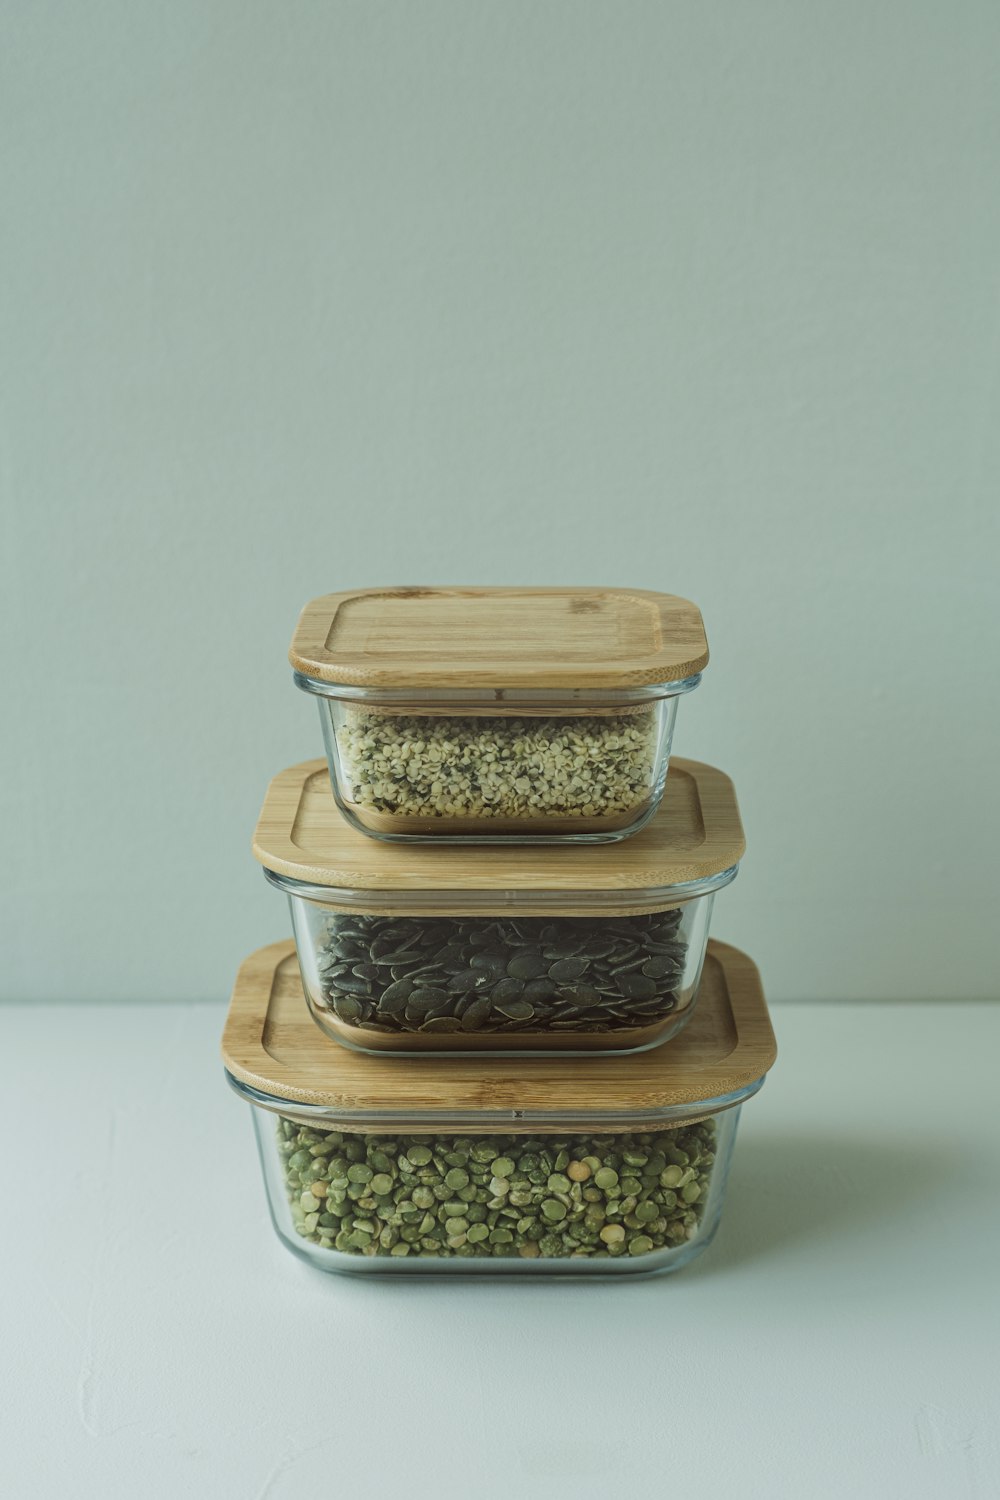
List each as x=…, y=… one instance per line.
x=272, y=1046
x=695, y=834
x=495, y=638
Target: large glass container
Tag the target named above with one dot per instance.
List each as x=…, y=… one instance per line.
x=584, y=1201
x=610, y=1168
x=426, y=951
x=498, y=715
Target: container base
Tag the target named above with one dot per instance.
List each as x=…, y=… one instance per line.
x=657, y=1263
x=393, y=828
x=506, y=1044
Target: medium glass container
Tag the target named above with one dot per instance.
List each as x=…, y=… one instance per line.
x=439, y=951
x=498, y=715
x=607, y=1168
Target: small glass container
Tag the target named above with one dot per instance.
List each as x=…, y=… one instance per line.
x=602, y=1168
x=496, y=715
x=566, y=950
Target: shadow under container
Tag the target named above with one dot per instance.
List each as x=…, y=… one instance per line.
x=496, y=715
x=613, y=1167
x=570, y=950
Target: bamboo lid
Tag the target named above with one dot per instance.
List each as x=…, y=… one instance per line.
x=272, y=1048
x=499, y=638
x=696, y=834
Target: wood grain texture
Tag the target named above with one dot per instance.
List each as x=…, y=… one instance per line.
x=271, y=1043
x=695, y=833
x=499, y=638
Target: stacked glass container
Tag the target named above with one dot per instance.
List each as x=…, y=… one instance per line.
x=527, y=1055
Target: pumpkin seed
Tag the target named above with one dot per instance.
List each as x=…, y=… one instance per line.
x=427, y=999
x=568, y=969
x=517, y=1010
x=501, y=974
x=349, y=1009
x=507, y=989
x=638, y=987
x=476, y=1014
x=353, y=985
x=526, y=966
x=469, y=979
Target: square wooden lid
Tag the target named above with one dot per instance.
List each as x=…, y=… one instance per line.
x=272, y=1046
x=497, y=638
x=696, y=834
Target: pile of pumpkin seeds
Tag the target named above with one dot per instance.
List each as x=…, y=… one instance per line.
x=501, y=974
x=581, y=1196
x=450, y=767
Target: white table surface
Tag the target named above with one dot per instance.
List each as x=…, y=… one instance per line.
x=838, y=1340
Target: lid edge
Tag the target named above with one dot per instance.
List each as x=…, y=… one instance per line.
x=273, y=847
x=246, y=1019
x=644, y=670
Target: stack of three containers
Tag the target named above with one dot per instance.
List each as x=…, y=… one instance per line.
x=518, y=1050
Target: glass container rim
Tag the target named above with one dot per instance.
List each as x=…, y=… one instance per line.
x=544, y=698
x=507, y=902
x=500, y=1122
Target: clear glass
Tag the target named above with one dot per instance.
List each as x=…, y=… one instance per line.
x=585, y=1202
x=518, y=768
x=422, y=982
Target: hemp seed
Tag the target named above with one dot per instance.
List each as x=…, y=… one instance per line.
x=514, y=768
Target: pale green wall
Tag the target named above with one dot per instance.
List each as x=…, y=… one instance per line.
x=300, y=296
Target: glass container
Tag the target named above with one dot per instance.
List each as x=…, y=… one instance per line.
x=498, y=715
x=614, y=1167
x=435, y=951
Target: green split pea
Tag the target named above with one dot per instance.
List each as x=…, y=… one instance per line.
x=545, y=1197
